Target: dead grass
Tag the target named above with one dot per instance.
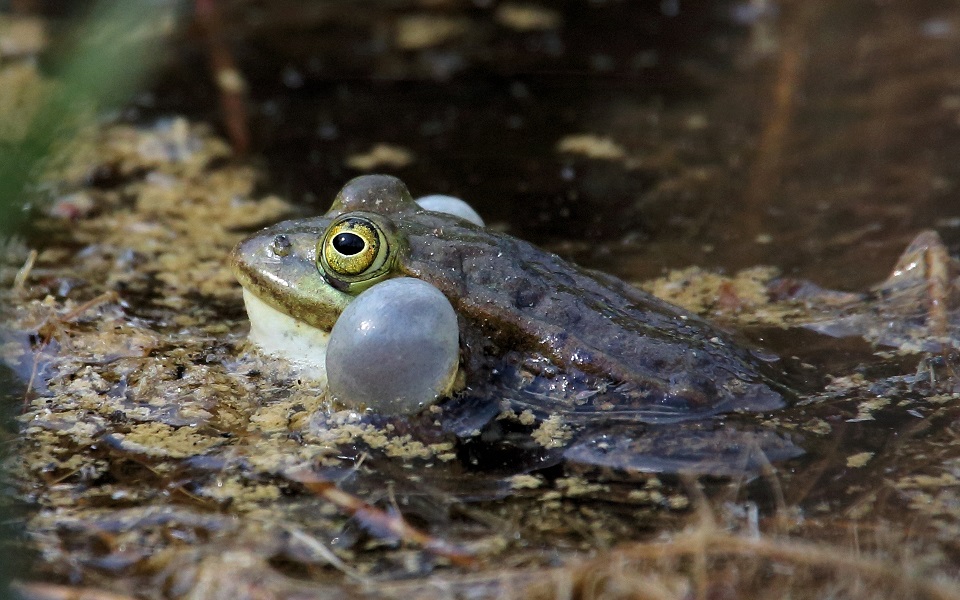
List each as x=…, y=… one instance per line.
x=706, y=563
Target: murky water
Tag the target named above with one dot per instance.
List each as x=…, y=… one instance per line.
x=823, y=132
x=814, y=137
x=482, y=116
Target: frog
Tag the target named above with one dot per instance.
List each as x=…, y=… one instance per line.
x=538, y=337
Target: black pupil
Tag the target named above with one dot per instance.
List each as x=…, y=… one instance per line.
x=348, y=244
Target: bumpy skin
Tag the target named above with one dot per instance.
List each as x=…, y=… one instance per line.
x=584, y=328
x=535, y=329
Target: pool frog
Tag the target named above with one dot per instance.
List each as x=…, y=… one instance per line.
x=530, y=327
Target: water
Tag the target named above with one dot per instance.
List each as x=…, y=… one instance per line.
x=815, y=137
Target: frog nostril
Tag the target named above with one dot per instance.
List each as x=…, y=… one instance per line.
x=348, y=244
x=281, y=245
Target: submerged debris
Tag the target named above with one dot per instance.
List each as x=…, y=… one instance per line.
x=916, y=309
x=156, y=448
x=144, y=410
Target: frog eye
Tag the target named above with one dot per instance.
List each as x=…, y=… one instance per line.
x=356, y=251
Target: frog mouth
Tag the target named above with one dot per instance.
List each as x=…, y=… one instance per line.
x=281, y=336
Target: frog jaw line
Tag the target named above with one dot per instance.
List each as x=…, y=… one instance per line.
x=281, y=336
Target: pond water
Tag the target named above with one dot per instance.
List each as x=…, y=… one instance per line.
x=825, y=132
x=639, y=138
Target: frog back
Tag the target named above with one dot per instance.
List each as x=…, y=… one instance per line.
x=577, y=329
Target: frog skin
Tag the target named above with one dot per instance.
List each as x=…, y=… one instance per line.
x=533, y=328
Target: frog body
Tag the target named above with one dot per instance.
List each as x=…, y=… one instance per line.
x=521, y=309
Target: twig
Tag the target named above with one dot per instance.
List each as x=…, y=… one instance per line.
x=766, y=173
x=375, y=518
x=21, y=279
x=229, y=78
x=50, y=591
x=34, y=368
x=937, y=261
x=326, y=553
x=104, y=298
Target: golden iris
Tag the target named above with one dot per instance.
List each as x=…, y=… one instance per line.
x=355, y=252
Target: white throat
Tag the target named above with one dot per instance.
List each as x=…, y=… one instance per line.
x=282, y=336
